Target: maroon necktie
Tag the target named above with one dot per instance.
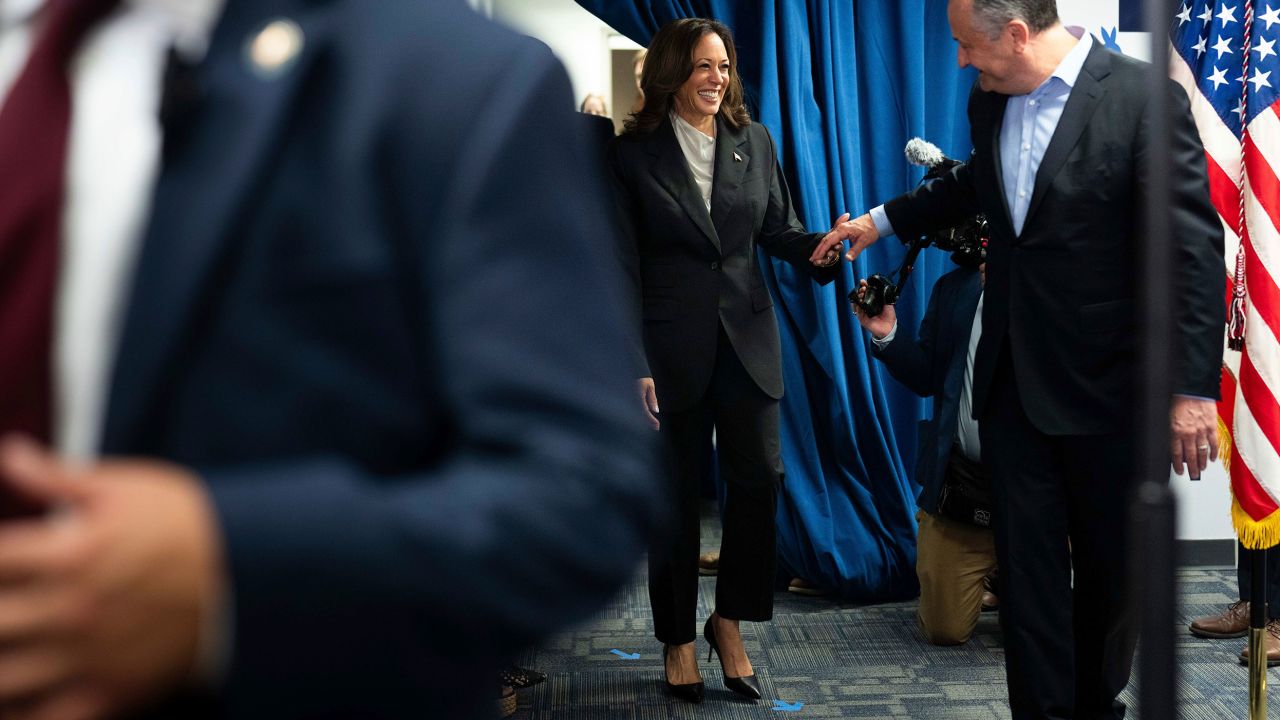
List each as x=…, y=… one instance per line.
x=34, y=120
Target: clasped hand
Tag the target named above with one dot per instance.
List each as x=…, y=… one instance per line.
x=860, y=232
x=103, y=596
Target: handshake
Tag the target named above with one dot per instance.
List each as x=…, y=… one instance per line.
x=968, y=240
x=859, y=232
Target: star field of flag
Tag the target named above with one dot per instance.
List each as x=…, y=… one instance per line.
x=1209, y=36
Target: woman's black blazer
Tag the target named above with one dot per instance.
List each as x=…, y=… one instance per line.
x=693, y=272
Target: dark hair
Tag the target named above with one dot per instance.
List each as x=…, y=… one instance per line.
x=669, y=63
x=992, y=15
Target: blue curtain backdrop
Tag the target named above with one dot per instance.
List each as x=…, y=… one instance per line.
x=842, y=86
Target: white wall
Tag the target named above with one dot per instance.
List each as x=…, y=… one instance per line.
x=1204, y=506
x=579, y=39
x=1095, y=15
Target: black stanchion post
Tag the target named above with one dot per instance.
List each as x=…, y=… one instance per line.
x=1154, y=509
x=1257, y=628
x=1154, y=524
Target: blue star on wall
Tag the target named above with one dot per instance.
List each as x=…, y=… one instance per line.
x=1109, y=39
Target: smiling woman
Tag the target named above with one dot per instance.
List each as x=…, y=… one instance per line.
x=701, y=189
x=698, y=99
x=693, y=69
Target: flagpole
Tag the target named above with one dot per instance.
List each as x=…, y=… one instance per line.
x=1257, y=558
x=1257, y=632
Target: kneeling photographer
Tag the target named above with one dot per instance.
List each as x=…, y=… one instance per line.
x=956, y=548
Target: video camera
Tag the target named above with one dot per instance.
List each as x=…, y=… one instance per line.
x=967, y=241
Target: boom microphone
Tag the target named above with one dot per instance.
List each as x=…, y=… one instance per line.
x=927, y=155
x=923, y=153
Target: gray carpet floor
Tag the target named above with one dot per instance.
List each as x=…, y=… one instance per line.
x=843, y=660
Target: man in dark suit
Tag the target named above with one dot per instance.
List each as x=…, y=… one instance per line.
x=376, y=425
x=953, y=557
x=1059, y=130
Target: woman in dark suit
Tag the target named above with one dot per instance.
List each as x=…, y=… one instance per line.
x=700, y=189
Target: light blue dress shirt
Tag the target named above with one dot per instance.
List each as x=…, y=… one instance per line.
x=1029, y=123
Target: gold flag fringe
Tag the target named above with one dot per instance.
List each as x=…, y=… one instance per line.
x=1255, y=534
x=1224, y=444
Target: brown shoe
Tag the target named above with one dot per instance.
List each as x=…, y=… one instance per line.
x=709, y=563
x=1270, y=641
x=800, y=586
x=506, y=702
x=1232, y=623
x=990, y=586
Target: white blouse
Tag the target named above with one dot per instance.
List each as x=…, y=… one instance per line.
x=699, y=152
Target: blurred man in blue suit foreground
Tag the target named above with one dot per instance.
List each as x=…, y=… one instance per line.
x=344, y=317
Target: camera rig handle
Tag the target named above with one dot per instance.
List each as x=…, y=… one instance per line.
x=883, y=290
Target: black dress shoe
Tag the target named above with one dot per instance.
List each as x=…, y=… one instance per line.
x=747, y=685
x=689, y=692
x=520, y=678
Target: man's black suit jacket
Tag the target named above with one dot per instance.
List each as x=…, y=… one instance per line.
x=932, y=365
x=1063, y=292
x=692, y=271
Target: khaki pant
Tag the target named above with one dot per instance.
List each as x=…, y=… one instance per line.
x=952, y=559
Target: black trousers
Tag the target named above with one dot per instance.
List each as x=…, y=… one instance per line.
x=746, y=426
x=1244, y=577
x=1061, y=505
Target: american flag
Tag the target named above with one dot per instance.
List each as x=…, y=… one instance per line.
x=1225, y=55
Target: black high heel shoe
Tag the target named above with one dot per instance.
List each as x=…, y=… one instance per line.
x=747, y=685
x=689, y=692
x=519, y=678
